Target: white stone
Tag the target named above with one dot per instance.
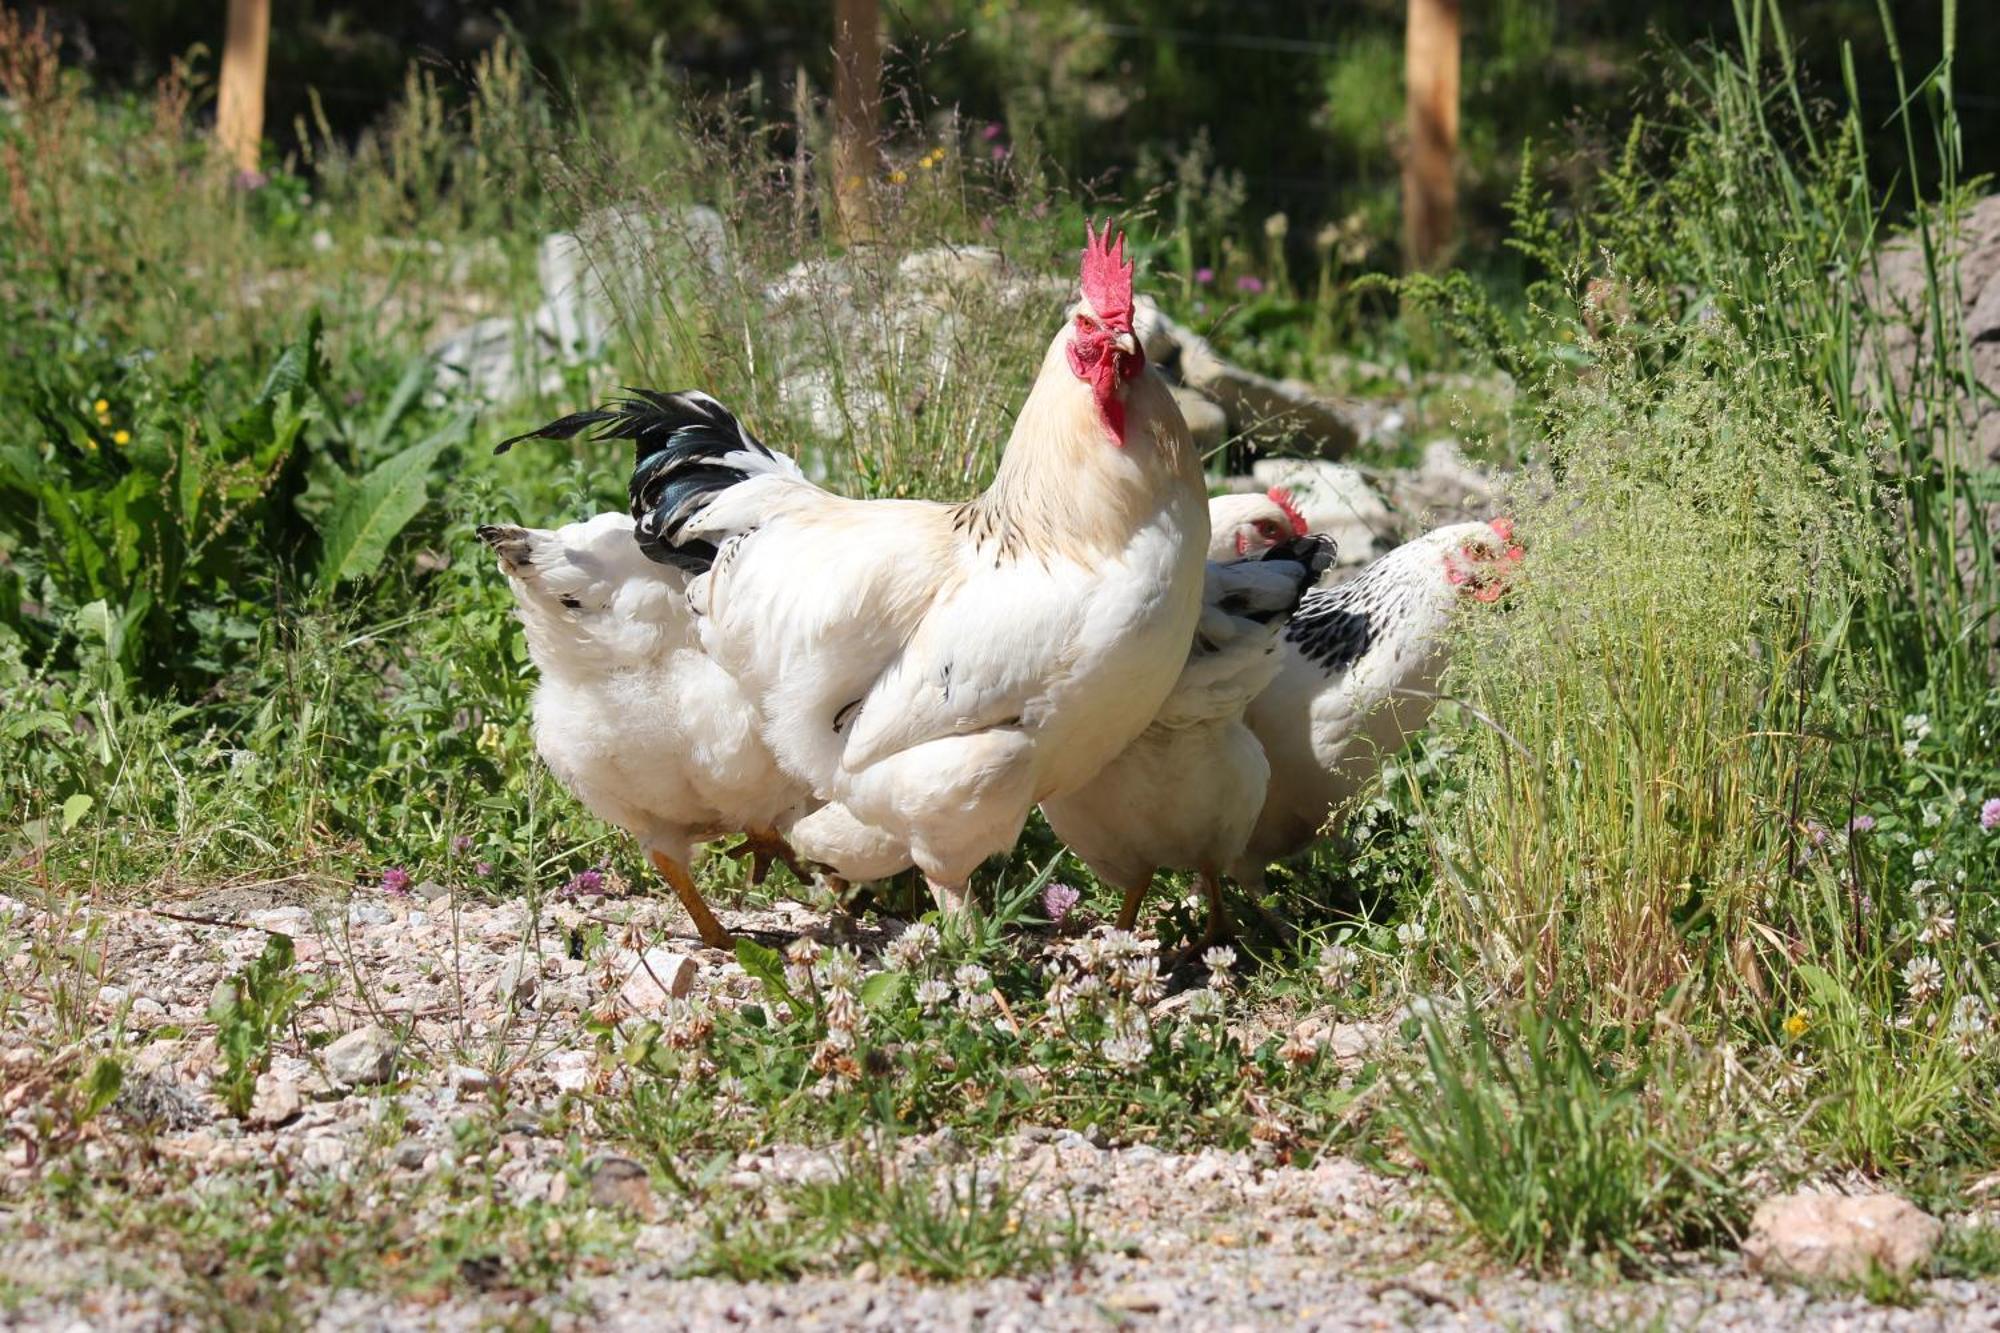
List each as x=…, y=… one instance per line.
x=365, y=1055
x=657, y=975
x=1831, y=1236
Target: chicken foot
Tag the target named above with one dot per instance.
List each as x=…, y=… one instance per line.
x=1219, y=927
x=763, y=847
x=676, y=875
x=1135, y=897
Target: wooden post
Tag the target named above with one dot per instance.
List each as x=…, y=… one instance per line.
x=857, y=97
x=239, y=111
x=1430, y=186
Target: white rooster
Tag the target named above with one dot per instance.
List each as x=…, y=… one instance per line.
x=1360, y=668
x=932, y=670
x=631, y=715
x=1186, y=794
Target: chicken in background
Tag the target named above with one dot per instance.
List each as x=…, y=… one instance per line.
x=1242, y=527
x=932, y=670
x=1358, y=677
x=1186, y=794
x=631, y=715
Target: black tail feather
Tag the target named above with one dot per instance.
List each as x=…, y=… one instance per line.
x=686, y=449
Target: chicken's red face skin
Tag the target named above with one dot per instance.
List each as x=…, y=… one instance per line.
x=1258, y=536
x=1481, y=567
x=1103, y=351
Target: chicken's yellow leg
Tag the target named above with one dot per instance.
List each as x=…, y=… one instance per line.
x=1128, y=911
x=675, y=874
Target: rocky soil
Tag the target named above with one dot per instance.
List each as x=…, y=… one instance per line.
x=490, y=1006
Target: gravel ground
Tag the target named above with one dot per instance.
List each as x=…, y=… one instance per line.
x=1212, y=1240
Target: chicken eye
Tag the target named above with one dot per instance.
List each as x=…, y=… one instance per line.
x=1267, y=529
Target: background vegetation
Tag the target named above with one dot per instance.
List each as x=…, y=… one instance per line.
x=1694, y=892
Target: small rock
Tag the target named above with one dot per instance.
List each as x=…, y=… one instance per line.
x=148, y=1007
x=284, y=920
x=656, y=976
x=1830, y=1236
x=1139, y=1298
x=365, y=1055
x=430, y=891
x=369, y=914
x=112, y=996
x=412, y=1155
x=518, y=979
x=276, y=1101
x=865, y=1271
x=467, y=1079
x=621, y=1183
x=323, y=1152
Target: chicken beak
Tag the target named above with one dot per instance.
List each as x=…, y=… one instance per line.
x=1128, y=343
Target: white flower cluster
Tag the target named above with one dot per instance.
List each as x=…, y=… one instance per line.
x=1969, y=1025
x=1113, y=977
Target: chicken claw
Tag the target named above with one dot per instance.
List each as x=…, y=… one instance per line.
x=764, y=848
x=676, y=875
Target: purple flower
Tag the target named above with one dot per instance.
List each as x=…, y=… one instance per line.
x=484, y=869
x=1058, y=899
x=585, y=883
x=251, y=180
x=1001, y=152
x=1816, y=833
x=1204, y=276
x=1861, y=824
x=461, y=844
x=994, y=129
x=1250, y=283
x=1989, y=814
x=396, y=880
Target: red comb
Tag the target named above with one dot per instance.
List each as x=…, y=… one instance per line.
x=1107, y=277
x=1283, y=499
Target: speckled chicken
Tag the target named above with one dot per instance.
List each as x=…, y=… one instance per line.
x=1358, y=676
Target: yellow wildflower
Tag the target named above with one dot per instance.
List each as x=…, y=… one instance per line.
x=489, y=738
x=102, y=407
x=121, y=438
x=1796, y=1024
x=897, y=177
x=924, y=163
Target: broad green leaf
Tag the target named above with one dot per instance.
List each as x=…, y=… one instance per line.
x=107, y=1076
x=881, y=990
x=74, y=809
x=369, y=513
x=765, y=964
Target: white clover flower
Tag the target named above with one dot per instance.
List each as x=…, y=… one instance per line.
x=1336, y=966
x=977, y=1003
x=803, y=951
x=843, y=1011
x=1917, y=724
x=1299, y=1049
x=1932, y=816
x=1922, y=857
x=1910, y=748
x=1125, y=1051
x=1410, y=934
x=971, y=976
x=933, y=994
x=1920, y=887
x=1205, y=1004
x=841, y=967
x=913, y=948
x=1924, y=978
x=1218, y=959
x=1938, y=926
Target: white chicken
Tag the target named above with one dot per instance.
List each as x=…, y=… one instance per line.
x=630, y=714
x=1240, y=527
x=1186, y=794
x=932, y=670
x=1360, y=667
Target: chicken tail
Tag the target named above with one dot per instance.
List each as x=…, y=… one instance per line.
x=687, y=448
x=1269, y=589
